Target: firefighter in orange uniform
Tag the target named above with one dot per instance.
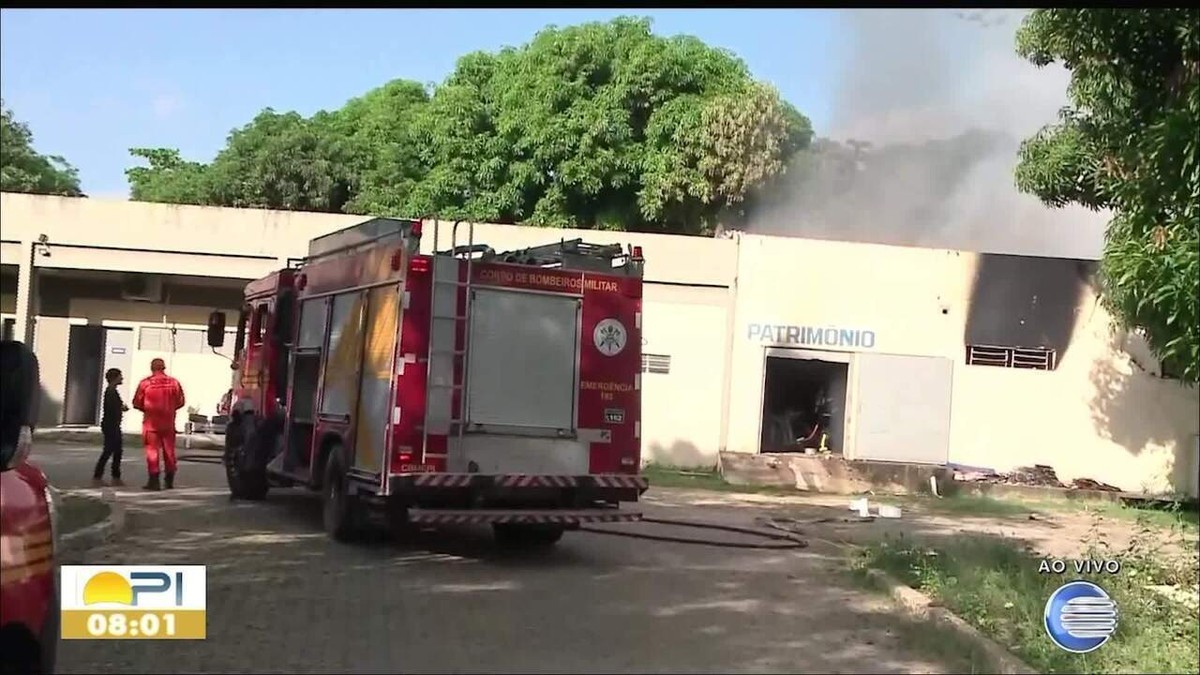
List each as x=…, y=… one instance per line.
x=159, y=397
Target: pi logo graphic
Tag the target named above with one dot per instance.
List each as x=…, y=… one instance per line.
x=610, y=337
x=133, y=587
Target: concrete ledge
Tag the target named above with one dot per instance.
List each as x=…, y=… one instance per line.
x=920, y=606
x=74, y=544
x=92, y=435
x=829, y=473
x=1047, y=492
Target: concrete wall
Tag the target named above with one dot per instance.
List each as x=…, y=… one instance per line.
x=688, y=280
x=1099, y=414
x=683, y=409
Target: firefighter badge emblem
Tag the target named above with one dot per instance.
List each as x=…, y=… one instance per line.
x=610, y=337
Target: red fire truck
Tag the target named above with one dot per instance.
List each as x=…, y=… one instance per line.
x=466, y=386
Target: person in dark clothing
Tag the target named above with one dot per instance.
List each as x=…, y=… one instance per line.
x=110, y=426
x=20, y=401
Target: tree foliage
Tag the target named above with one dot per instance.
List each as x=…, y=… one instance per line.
x=599, y=125
x=23, y=169
x=1129, y=143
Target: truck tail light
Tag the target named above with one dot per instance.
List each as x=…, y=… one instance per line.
x=418, y=264
x=301, y=281
x=416, y=228
x=637, y=252
x=397, y=259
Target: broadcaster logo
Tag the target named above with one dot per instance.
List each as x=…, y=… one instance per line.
x=1080, y=617
x=133, y=602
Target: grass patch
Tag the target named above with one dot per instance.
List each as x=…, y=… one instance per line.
x=704, y=478
x=77, y=512
x=968, y=505
x=1154, y=514
x=1161, y=515
x=995, y=585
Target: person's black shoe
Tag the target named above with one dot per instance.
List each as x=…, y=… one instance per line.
x=170, y=481
x=152, y=483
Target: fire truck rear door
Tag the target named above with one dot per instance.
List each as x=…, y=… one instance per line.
x=375, y=387
x=523, y=372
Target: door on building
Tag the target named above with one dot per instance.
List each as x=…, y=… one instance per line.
x=118, y=353
x=85, y=349
x=903, y=408
x=804, y=401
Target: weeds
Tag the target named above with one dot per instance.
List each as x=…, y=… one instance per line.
x=995, y=585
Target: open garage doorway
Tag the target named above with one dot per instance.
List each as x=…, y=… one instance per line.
x=85, y=356
x=804, y=401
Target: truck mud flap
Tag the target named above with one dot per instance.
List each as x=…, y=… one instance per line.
x=533, y=517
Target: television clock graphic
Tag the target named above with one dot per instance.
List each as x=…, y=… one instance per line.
x=134, y=602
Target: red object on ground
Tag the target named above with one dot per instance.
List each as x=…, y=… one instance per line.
x=29, y=629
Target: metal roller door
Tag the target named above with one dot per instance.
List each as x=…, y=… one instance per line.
x=903, y=408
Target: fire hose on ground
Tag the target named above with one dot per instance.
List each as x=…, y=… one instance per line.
x=778, y=531
x=789, y=540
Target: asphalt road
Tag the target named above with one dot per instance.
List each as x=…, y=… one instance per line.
x=283, y=598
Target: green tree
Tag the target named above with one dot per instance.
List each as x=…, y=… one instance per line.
x=1129, y=143
x=604, y=125
x=23, y=169
x=284, y=161
x=384, y=156
x=167, y=178
x=599, y=125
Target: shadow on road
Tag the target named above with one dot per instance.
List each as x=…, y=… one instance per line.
x=282, y=597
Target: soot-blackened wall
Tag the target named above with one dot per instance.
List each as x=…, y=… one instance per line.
x=1025, y=301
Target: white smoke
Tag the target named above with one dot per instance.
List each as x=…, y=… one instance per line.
x=915, y=76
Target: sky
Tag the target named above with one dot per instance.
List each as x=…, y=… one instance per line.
x=93, y=83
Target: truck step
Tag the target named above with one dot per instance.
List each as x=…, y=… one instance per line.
x=522, y=516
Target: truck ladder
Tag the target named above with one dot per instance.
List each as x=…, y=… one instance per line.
x=458, y=416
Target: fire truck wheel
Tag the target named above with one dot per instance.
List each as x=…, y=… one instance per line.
x=527, y=536
x=244, y=482
x=342, y=512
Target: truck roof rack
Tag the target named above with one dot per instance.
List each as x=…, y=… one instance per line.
x=565, y=254
x=362, y=235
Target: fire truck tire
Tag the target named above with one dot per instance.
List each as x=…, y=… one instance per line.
x=343, y=514
x=512, y=535
x=245, y=481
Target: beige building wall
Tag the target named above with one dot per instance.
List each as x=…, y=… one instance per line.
x=687, y=296
x=683, y=408
x=1100, y=414
x=205, y=376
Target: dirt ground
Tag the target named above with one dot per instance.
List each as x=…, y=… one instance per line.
x=1058, y=533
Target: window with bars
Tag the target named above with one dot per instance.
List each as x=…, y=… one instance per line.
x=656, y=363
x=1033, y=358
